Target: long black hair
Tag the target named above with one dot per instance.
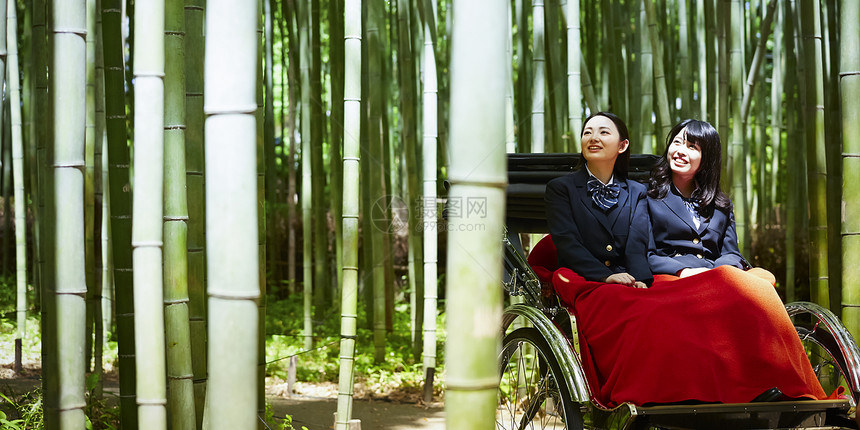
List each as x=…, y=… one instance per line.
x=708, y=192
x=622, y=163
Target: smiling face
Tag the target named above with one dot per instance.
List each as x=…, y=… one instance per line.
x=684, y=156
x=600, y=141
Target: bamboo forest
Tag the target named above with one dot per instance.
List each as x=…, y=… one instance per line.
x=211, y=208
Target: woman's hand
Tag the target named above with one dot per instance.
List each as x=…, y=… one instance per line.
x=621, y=278
x=691, y=271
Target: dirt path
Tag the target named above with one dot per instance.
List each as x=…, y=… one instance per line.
x=314, y=411
x=317, y=413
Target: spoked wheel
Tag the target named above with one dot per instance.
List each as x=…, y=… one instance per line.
x=826, y=363
x=532, y=393
x=830, y=348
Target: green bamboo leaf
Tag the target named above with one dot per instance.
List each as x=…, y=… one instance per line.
x=92, y=380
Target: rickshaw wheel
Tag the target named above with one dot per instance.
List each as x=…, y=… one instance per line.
x=532, y=392
x=824, y=356
x=832, y=351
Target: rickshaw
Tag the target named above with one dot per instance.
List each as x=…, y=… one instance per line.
x=543, y=385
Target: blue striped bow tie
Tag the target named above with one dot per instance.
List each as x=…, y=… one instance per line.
x=604, y=196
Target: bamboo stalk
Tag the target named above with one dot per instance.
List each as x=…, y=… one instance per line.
x=322, y=291
x=684, y=60
x=6, y=171
x=795, y=130
x=45, y=208
x=849, y=84
x=429, y=204
x=274, y=250
x=646, y=82
x=613, y=57
x=391, y=161
x=293, y=87
x=5, y=154
x=366, y=247
x=376, y=178
x=476, y=103
x=306, y=198
x=510, y=129
x=723, y=23
x=147, y=204
x=659, y=73
x=69, y=119
x=6, y=184
x=120, y=206
x=833, y=154
x=738, y=146
x=624, y=52
x=703, y=49
x=539, y=78
x=18, y=178
x=336, y=55
x=99, y=219
x=524, y=78
x=175, y=227
x=556, y=79
x=194, y=177
x=712, y=57
x=634, y=107
x=107, y=281
x=409, y=138
x=587, y=87
x=351, y=158
x=758, y=58
x=776, y=95
x=261, y=212
x=574, y=72
x=89, y=184
x=815, y=153
x=232, y=237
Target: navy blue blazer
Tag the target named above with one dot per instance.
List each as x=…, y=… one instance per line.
x=593, y=243
x=676, y=243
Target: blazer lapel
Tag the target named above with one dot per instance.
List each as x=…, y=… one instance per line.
x=677, y=205
x=623, y=195
x=580, y=178
x=704, y=224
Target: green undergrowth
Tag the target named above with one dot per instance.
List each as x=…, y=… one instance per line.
x=400, y=370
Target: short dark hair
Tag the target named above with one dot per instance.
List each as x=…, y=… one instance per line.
x=622, y=163
x=709, y=194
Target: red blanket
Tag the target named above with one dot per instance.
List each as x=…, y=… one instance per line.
x=720, y=336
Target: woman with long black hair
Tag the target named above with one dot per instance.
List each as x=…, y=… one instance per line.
x=738, y=341
x=692, y=222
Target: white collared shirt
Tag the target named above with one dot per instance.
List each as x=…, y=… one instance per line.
x=611, y=178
